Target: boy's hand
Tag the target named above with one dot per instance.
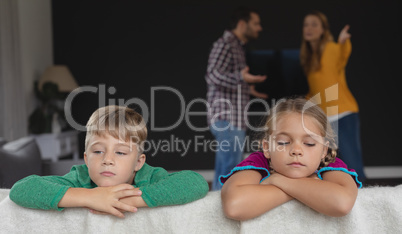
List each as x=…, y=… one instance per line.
x=106, y=200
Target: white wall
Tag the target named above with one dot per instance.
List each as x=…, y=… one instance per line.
x=36, y=44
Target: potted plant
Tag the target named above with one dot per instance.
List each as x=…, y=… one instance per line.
x=48, y=115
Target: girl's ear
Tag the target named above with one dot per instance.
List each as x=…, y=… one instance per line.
x=325, y=150
x=265, y=148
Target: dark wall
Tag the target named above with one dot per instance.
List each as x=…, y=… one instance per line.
x=135, y=47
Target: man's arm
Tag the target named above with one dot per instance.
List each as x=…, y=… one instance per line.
x=255, y=93
x=243, y=197
x=218, y=71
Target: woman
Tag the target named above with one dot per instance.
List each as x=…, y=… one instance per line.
x=324, y=62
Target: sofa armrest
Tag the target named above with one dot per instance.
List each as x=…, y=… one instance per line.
x=18, y=159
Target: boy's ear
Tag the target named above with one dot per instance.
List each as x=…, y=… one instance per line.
x=140, y=162
x=85, y=158
x=265, y=148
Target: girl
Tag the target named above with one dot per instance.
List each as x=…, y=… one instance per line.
x=324, y=63
x=298, y=162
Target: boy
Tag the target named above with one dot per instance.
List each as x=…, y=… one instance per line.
x=115, y=178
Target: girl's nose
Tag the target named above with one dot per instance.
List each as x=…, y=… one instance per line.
x=296, y=150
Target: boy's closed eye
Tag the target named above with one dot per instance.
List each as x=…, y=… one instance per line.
x=97, y=149
x=122, y=150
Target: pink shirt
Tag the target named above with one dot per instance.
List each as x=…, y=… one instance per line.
x=257, y=161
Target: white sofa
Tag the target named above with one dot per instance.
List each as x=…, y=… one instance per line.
x=377, y=210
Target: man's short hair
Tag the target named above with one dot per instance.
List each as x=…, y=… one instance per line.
x=121, y=122
x=241, y=13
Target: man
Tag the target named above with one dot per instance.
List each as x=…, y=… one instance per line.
x=228, y=89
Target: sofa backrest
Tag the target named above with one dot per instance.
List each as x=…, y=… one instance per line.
x=18, y=159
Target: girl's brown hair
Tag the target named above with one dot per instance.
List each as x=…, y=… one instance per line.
x=305, y=108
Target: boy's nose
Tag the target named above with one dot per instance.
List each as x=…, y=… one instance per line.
x=108, y=159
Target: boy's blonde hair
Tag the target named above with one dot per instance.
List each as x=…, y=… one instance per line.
x=305, y=107
x=121, y=122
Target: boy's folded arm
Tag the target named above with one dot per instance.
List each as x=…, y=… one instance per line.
x=243, y=197
x=173, y=188
x=135, y=201
x=40, y=192
x=76, y=197
x=102, y=199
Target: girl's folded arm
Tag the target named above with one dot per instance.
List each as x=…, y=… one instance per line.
x=335, y=195
x=243, y=197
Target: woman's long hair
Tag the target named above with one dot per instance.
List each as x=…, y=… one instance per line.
x=310, y=60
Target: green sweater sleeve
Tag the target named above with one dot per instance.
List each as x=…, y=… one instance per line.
x=45, y=192
x=160, y=188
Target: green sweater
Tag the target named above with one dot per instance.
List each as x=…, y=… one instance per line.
x=159, y=188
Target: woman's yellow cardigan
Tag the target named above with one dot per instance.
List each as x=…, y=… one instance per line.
x=329, y=82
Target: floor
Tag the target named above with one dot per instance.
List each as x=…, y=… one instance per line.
x=382, y=182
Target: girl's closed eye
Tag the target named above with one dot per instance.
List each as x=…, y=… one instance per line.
x=310, y=142
x=121, y=153
x=282, y=139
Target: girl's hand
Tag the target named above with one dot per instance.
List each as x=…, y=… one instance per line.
x=344, y=34
x=314, y=176
x=106, y=200
x=272, y=178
